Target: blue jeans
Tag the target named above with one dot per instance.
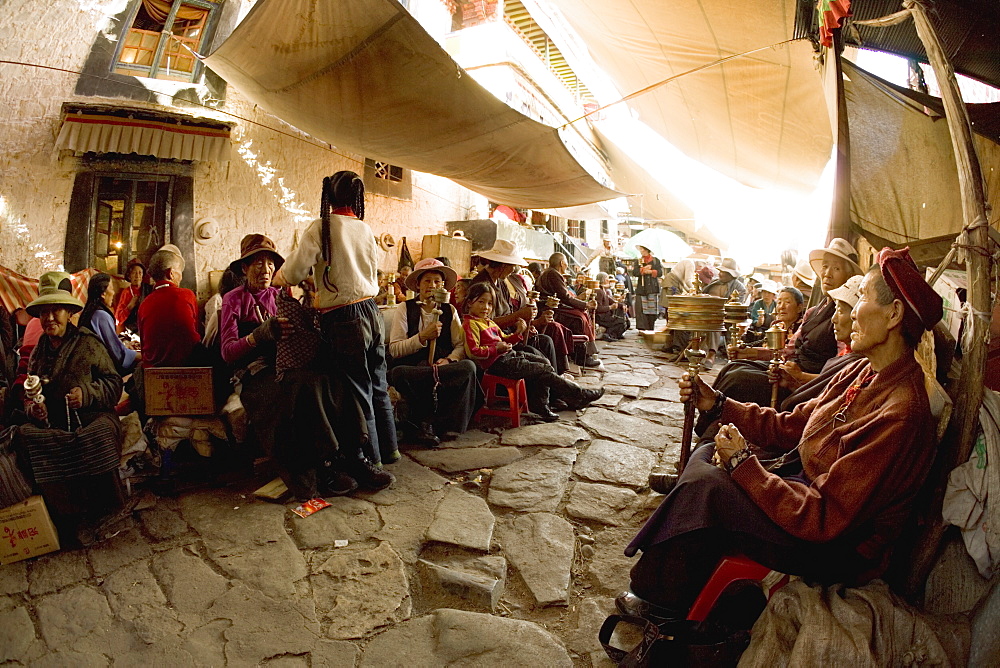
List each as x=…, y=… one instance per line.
x=357, y=349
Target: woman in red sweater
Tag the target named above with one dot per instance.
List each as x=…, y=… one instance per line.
x=493, y=351
x=855, y=457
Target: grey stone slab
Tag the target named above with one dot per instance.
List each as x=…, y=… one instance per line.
x=71, y=614
x=17, y=632
x=261, y=627
x=465, y=583
x=540, y=546
x=66, y=657
x=637, y=364
x=110, y=555
x=246, y=539
x=608, y=400
x=652, y=408
x=135, y=597
x=467, y=459
x=14, y=578
x=609, y=568
x=590, y=613
x=163, y=523
x=616, y=463
x=615, y=366
x=474, y=438
x=557, y=434
x=625, y=428
x=602, y=503
x=412, y=481
x=207, y=643
x=52, y=572
x=345, y=519
x=635, y=378
x=360, y=589
x=462, y=519
x=666, y=392
x=533, y=484
x=631, y=391
x=334, y=654
x=187, y=581
x=456, y=637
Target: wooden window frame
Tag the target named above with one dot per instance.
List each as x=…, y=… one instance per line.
x=153, y=70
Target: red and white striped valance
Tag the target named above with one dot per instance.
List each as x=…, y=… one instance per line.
x=85, y=133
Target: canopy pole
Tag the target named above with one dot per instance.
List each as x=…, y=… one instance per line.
x=974, y=241
x=840, y=216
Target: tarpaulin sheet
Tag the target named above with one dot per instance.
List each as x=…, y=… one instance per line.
x=760, y=118
x=365, y=76
x=904, y=183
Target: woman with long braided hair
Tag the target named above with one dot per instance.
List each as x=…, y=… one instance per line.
x=339, y=254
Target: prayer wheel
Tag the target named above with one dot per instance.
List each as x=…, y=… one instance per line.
x=736, y=312
x=696, y=313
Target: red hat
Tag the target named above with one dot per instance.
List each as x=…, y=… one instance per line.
x=903, y=277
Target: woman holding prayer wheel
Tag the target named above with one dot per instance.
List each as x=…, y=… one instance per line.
x=831, y=507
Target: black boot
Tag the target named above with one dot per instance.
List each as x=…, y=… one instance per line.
x=369, y=476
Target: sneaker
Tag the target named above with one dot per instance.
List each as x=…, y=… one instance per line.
x=391, y=457
x=369, y=476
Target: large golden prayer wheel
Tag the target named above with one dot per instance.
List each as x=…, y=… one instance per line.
x=696, y=313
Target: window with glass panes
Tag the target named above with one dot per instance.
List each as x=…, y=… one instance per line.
x=161, y=38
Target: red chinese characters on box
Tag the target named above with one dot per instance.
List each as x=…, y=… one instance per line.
x=26, y=531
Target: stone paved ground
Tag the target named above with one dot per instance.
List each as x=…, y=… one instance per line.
x=497, y=549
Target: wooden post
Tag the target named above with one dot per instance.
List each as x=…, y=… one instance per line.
x=840, y=215
x=975, y=241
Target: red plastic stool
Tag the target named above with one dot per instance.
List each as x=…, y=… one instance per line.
x=733, y=569
x=517, y=398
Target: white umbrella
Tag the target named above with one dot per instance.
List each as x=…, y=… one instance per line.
x=663, y=244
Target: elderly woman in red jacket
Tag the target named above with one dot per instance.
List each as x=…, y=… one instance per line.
x=854, y=459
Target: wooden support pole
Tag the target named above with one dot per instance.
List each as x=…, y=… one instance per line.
x=975, y=243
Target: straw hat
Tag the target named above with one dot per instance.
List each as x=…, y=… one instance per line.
x=838, y=248
x=768, y=285
x=757, y=277
x=430, y=264
x=730, y=267
x=54, y=287
x=804, y=272
x=849, y=292
x=170, y=248
x=504, y=251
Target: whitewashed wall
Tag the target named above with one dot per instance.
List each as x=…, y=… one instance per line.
x=271, y=185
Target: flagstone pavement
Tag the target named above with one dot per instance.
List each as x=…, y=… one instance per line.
x=501, y=548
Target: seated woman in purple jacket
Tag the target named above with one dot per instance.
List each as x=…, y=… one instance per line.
x=853, y=460
x=302, y=419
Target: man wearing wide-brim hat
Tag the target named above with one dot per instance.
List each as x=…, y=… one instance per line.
x=501, y=262
x=442, y=400
x=74, y=440
x=725, y=285
x=813, y=344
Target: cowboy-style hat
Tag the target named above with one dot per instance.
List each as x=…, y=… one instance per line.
x=253, y=244
x=838, y=248
x=849, y=292
x=730, y=267
x=54, y=288
x=804, y=272
x=431, y=264
x=504, y=251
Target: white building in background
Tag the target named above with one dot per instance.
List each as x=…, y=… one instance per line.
x=115, y=140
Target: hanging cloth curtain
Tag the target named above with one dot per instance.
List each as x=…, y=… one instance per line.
x=160, y=9
x=405, y=259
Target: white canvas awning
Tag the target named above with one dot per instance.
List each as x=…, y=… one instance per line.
x=104, y=133
x=760, y=119
x=365, y=76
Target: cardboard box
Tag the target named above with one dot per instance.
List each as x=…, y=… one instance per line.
x=178, y=390
x=951, y=281
x=26, y=531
